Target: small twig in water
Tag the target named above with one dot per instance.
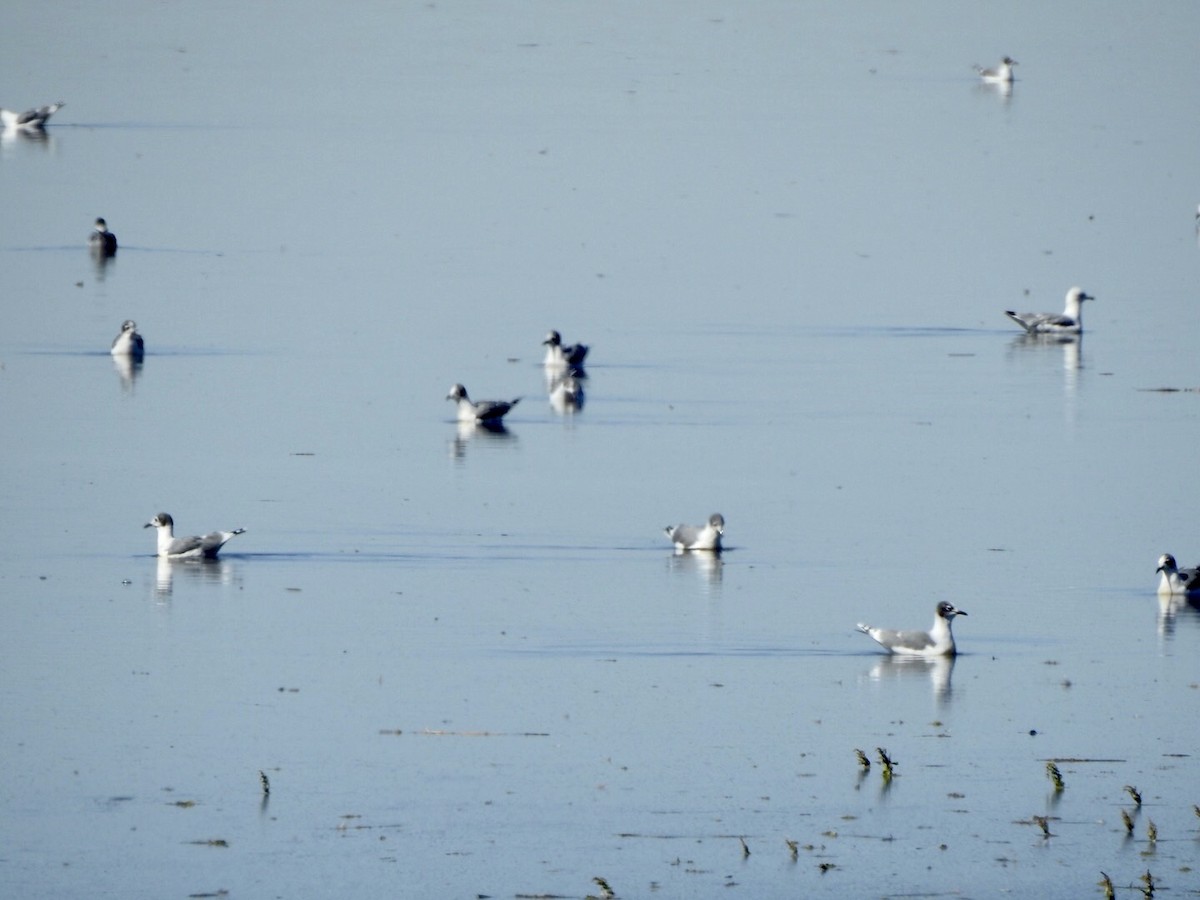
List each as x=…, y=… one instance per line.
x=887, y=762
x=793, y=846
x=866, y=763
x=265, y=781
x=1055, y=775
x=745, y=847
x=1128, y=820
x=1106, y=883
x=1044, y=824
x=1134, y=793
x=1152, y=832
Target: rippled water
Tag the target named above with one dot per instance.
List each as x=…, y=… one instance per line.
x=468, y=663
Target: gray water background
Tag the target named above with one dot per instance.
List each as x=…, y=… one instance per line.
x=470, y=664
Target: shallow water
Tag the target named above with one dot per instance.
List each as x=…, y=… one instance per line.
x=468, y=663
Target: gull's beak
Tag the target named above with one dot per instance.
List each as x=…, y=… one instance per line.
x=148, y=525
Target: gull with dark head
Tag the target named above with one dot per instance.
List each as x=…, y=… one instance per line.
x=559, y=354
x=1069, y=321
x=1001, y=74
x=30, y=120
x=101, y=241
x=938, y=641
x=483, y=411
x=702, y=537
x=193, y=547
x=129, y=342
x=1176, y=581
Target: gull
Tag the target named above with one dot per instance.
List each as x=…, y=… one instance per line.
x=1069, y=321
x=485, y=411
x=1002, y=74
x=129, y=342
x=101, y=241
x=559, y=355
x=31, y=119
x=703, y=537
x=938, y=641
x=1175, y=580
x=194, y=547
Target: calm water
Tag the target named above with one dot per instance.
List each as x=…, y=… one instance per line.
x=468, y=663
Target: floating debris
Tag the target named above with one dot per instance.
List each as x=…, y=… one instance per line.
x=265, y=781
x=1148, y=880
x=211, y=842
x=826, y=866
x=1055, y=775
x=1043, y=823
x=1125, y=817
x=745, y=847
x=887, y=762
x=1152, y=832
x=866, y=763
x=793, y=846
x=1106, y=883
x=1134, y=793
x=606, y=892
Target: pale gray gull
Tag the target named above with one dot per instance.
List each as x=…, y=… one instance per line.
x=485, y=411
x=128, y=342
x=193, y=547
x=31, y=119
x=559, y=354
x=1069, y=321
x=101, y=241
x=938, y=641
x=1002, y=74
x=692, y=537
x=1176, y=581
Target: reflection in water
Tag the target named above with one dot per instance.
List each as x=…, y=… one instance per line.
x=128, y=369
x=101, y=262
x=218, y=571
x=707, y=564
x=1003, y=91
x=11, y=137
x=565, y=391
x=494, y=433
x=1071, y=346
x=1170, y=606
x=938, y=669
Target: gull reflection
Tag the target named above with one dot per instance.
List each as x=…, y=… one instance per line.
x=938, y=669
x=1172, y=605
x=706, y=564
x=128, y=370
x=216, y=571
x=488, y=433
x=565, y=391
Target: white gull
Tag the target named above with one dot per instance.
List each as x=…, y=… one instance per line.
x=1069, y=321
x=484, y=411
x=938, y=641
x=703, y=537
x=1176, y=581
x=193, y=547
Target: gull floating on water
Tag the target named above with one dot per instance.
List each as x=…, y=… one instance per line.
x=938, y=641
x=128, y=342
x=692, y=537
x=31, y=119
x=194, y=547
x=1002, y=74
x=101, y=241
x=1175, y=580
x=485, y=411
x=1069, y=321
x=558, y=354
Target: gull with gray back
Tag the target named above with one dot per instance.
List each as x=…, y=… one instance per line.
x=938, y=641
